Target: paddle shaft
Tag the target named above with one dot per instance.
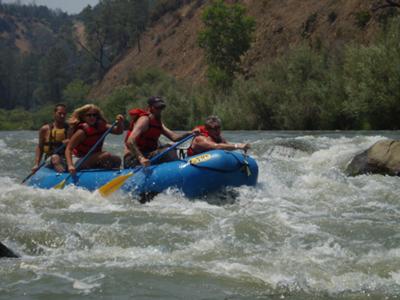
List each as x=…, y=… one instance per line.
x=58, y=149
x=81, y=161
x=162, y=153
x=155, y=158
x=117, y=182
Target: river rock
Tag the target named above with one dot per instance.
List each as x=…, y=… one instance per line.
x=6, y=252
x=381, y=158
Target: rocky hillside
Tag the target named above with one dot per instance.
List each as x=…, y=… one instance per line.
x=14, y=32
x=30, y=28
x=171, y=42
x=38, y=59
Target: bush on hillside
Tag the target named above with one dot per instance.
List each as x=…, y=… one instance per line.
x=15, y=119
x=296, y=85
x=143, y=84
x=75, y=94
x=226, y=36
x=42, y=116
x=119, y=102
x=304, y=89
x=372, y=81
x=165, y=6
x=362, y=18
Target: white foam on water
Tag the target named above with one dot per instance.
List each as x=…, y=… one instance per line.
x=92, y=202
x=85, y=285
x=334, y=152
x=355, y=282
x=7, y=152
x=4, y=149
x=396, y=276
x=383, y=256
x=174, y=202
x=306, y=227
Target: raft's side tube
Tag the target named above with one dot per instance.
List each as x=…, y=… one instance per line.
x=196, y=176
x=6, y=252
x=215, y=169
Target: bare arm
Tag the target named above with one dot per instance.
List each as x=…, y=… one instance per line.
x=77, y=138
x=119, y=129
x=207, y=143
x=39, y=147
x=141, y=126
x=70, y=132
x=172, y=135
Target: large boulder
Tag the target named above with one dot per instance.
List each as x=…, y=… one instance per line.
x=381, y=158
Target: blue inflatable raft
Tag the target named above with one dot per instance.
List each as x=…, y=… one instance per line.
x=194, y=176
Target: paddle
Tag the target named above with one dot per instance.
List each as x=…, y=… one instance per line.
x=117, y=182
x=81, y=161
x=57, y=150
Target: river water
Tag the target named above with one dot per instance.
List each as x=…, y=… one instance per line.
x=306, y=231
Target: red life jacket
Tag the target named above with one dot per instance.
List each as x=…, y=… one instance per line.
x=203, y=132
x=93, y=134
x=147, y=141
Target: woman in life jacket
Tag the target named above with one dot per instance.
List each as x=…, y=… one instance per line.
x=89, y=125
x=210, y=138
x=51, y=137
x=142, y=139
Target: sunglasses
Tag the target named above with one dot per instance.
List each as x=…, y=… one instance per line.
x=91, y=115
x=215, y=128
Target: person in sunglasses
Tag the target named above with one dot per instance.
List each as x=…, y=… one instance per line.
x=89, y=124
x=145, y=129
x=51, y=137
x=210, y=138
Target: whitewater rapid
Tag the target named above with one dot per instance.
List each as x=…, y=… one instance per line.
x=306, y=230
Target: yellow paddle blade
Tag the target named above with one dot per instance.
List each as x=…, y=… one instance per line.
x=60, y=185
x=113, y=185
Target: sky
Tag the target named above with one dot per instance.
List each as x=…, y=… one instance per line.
x=69, y=6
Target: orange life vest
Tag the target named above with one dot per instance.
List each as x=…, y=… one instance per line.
x=147, y=141
x=93, y=134
x=203, y=132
